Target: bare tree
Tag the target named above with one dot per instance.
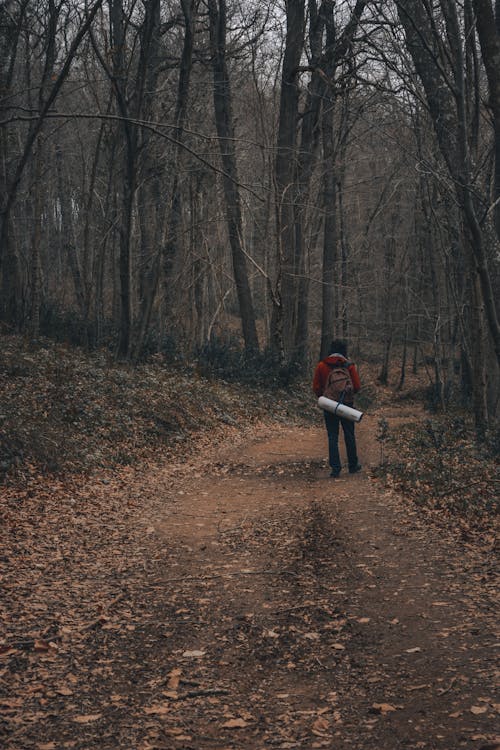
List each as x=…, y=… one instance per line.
x=440, y=64
x=285, y=172
x=336, y=49
x=225, y=132
x=8, y=260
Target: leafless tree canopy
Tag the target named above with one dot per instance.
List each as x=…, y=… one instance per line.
x=183, y=174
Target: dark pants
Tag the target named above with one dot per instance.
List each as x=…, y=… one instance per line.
x=332, y=427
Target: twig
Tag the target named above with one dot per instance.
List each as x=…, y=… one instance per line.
x=292, y=609
x=203, y=691
x=470, y=483
x=105, y=609
x=447, y=690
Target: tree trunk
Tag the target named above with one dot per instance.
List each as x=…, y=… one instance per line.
x=150, y=195
x=480, y=388
x=129, y=130
x=36, y=238
x=441, y=69
x=285, y=175
x=171, y=249
x=448, y=112
x=306, y=162
x=330, y=237
x=489, y=38
x=337, y=49
x=8, y=259
x=10, y=31
x=225, y=131
x=69, y=249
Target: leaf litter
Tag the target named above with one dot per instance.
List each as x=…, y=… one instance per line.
x=127, y=625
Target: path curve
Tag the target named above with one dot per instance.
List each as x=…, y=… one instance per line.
x=240, y=599
x=330, y=612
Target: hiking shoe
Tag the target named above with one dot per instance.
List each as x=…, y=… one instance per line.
x=355, y=469
x=334, y=474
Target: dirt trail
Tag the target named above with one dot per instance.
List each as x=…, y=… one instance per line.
x=274, y=607
x=328, y=613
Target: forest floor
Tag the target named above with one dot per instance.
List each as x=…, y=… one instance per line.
x=239, y=598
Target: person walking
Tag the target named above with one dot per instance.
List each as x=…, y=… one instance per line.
x=337, y=369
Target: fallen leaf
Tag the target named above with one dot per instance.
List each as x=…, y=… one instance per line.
x=383, y=708
x=111, y=626
x=321, y=725
x=160, y=709
x=476, y=710
x=86, y=718
x=413, y=650
x=193, y=654
x=235, y=724
x=11, y=702
x=64, y=690
x=270, y=634
x=174, y=679
x=41, y=645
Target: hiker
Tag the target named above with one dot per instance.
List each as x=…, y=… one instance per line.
x=337, y=378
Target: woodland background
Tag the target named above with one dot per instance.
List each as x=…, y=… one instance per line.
x=238, y=181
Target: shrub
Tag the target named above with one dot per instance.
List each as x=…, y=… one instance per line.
x=441, y=466
x=226, y=360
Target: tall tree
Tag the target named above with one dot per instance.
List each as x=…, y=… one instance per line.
x=307, y=159
x=11, y=24
x=284, y=317
x=8, y=259
x=337, y=48
x=225, y=131
x=488, y=27
x=440, y=63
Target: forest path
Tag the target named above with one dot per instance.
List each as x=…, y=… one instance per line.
x=328, y=613
x=264, y=605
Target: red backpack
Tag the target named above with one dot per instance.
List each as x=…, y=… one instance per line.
x=338, y=385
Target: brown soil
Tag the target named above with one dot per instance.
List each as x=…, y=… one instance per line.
x=245, y=600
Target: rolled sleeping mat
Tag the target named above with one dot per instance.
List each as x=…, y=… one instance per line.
x=341, y=410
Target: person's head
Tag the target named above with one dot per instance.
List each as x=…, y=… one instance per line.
x=338, y=347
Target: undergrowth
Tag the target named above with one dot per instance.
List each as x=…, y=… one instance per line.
x=226, y=360
x=439, y=464
x=64, y=410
